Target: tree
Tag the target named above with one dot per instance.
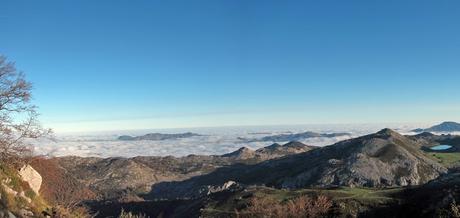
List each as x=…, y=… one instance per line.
x=18, y=116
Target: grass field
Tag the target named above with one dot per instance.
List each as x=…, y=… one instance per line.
x=355, y=199
x=447, y=159
x=342, y=193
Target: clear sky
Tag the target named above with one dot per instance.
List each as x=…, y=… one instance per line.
x=106, y=65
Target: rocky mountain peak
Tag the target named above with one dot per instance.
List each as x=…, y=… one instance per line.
x=294, y=144
x=273, y=146
x=243, y=152
x=388, y=132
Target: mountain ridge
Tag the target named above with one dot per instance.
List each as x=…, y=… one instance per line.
x=157, y=136
x=382, y=159
x=295, y=137
x=448, y=126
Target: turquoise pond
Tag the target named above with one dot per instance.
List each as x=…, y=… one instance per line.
x=440, y=147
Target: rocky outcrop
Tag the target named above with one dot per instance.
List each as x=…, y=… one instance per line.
x=227, y=186
x=13, y=193
x=31, y=176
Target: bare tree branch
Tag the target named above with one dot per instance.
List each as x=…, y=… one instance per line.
x=18, y=116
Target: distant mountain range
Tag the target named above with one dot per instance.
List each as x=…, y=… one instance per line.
x=294, y=137
x=383, y=159
x=443, y=127
x=157, y=136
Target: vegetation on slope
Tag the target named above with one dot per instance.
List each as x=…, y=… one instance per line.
x=447, y=159
x=344, y=201
x=303, y=206
x=60, y=187
x=16, y=195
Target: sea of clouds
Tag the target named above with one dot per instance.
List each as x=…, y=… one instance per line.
x=214, y=141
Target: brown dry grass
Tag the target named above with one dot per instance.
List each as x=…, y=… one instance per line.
x=59, y=187
x=301, y=207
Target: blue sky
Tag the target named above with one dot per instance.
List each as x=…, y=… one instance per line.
x=106, y=65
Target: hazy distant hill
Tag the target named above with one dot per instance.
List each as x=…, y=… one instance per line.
x=443, y=127
x=157, y=136
x=295, y=137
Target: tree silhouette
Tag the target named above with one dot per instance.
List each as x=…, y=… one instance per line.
x=18, y=116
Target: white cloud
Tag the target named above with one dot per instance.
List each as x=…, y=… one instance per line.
x=214, y=140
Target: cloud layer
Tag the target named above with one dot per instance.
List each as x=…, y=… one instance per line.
x=214, y=140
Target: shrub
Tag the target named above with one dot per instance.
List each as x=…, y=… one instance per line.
x=70, y=211
x=303, y=206
x=455, y=210
x=124, y=214
x=451, y=210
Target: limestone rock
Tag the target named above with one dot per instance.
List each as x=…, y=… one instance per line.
x=31, y=176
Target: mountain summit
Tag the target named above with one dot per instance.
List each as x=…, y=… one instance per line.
x=443, y=127
x=385, y=158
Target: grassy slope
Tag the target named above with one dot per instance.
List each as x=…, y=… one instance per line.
x=446, y=159
x=16, y=203
x=347, y=200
